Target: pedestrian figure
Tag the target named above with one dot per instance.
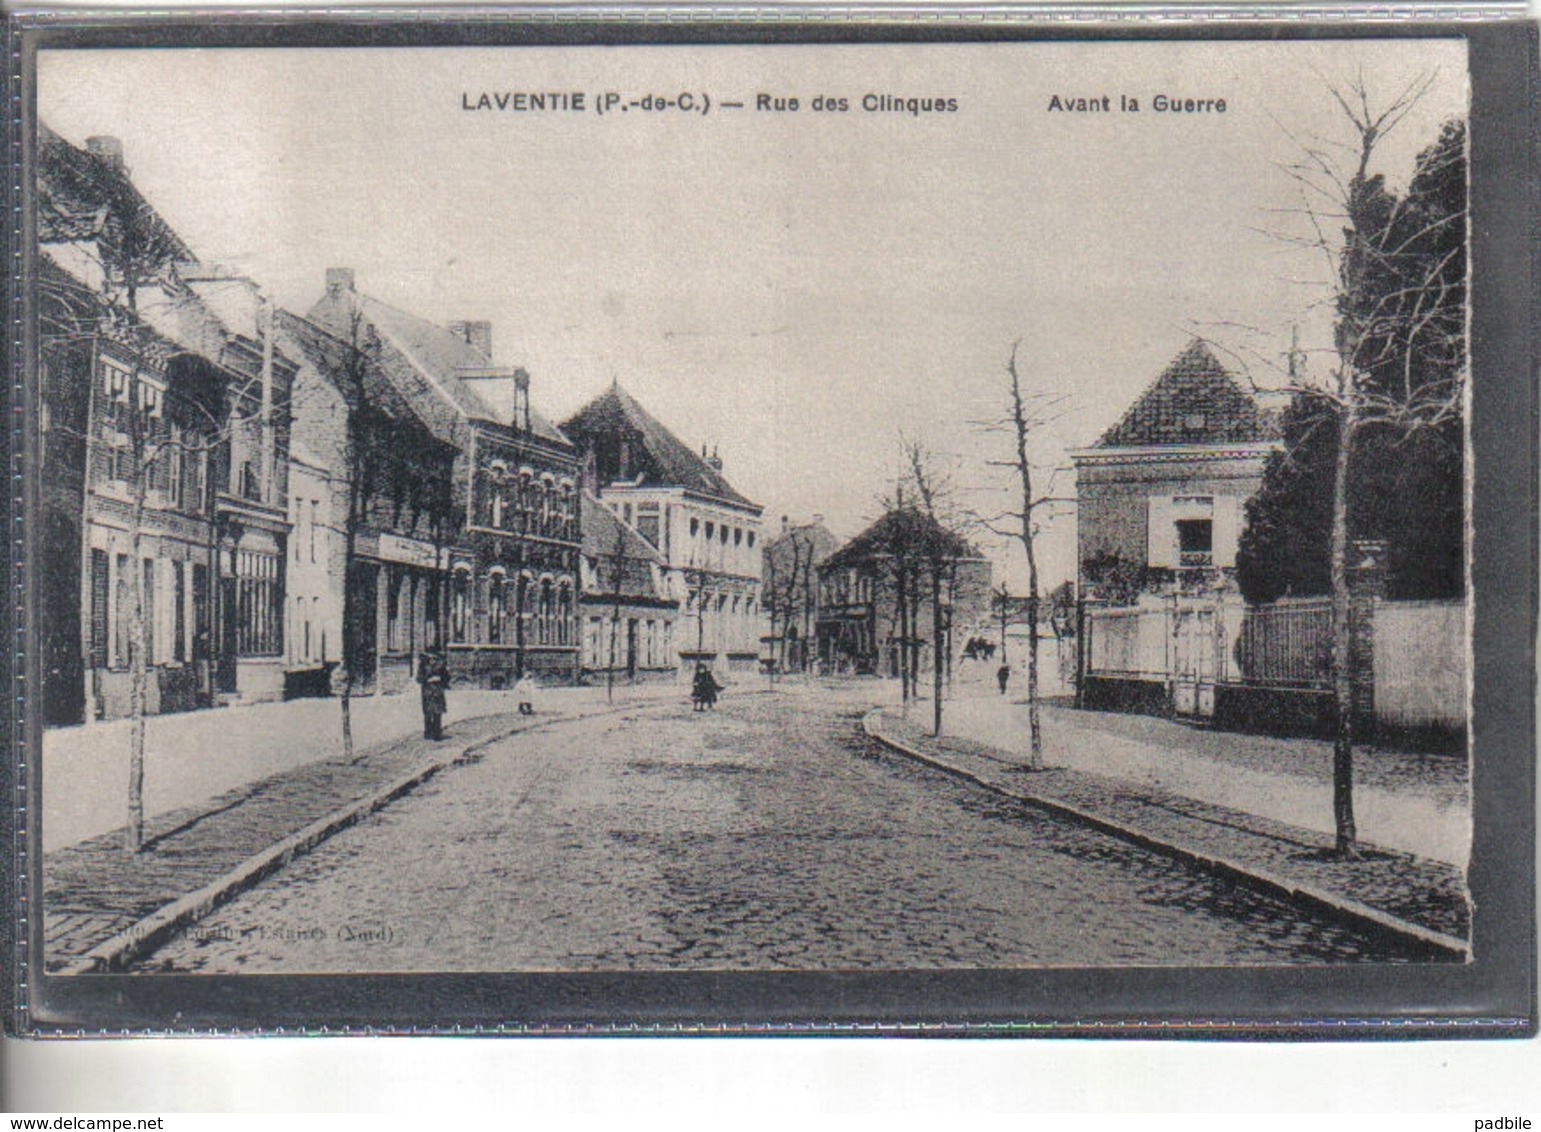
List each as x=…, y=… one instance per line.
x=433, y=675
x=1003, y=677
x=704, y=689
x=524, y=694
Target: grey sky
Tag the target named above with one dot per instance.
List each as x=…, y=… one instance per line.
x=792, y=288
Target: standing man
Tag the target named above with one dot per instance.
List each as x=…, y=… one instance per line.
x=433, y=675
x=1003, y=676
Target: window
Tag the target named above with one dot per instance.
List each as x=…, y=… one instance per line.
x=738, y=536
x=751, y=540
x=710, y=528
x=98, y=609
x=564, y=612
x=179, y=612
x=460, y=605
x=497, y=607
x=1195, y=541
x=393, y=628
x=123, y=601
x=259, y=594
x=648, y=522
x=695, y=527
x=149, y=610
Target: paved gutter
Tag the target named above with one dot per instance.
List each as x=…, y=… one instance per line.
x=203, y=829
x=1281, y=861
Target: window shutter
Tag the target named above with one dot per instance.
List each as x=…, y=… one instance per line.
x=1161, y=534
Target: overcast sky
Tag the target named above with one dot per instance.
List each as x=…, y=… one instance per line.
x=797, y=288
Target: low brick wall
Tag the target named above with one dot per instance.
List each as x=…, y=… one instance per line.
x=1273, y=711
x=1126, y=694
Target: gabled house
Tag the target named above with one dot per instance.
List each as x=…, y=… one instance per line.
x=875, y=596
x=164, y=435
x=628, y=607
x=513, y=560
x=707, y=534
x=1161, y=495
x=352, y=425
x=790, y=592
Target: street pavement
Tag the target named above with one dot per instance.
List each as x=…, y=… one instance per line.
x=1404, y=801
x=646, y=836
x=768, y=835
x=193, y=757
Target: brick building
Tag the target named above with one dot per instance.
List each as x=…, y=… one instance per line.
x=1161, y=495
x=511, y=564
x=705, y=532
x=875, y=596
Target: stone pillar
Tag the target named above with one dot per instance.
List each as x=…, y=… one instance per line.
x=1367, y=587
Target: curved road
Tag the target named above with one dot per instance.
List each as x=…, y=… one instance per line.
x=768, y=835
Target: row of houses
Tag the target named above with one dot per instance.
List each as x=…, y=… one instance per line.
x=256, y=501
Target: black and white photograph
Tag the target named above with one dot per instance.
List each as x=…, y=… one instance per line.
x=753, y=507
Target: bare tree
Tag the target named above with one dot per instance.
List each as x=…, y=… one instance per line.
x=1399, y=361
x=615, y=572
x=88, y=202
x=938, y=546
x=1029, y=414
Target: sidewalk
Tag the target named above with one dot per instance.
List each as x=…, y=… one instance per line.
x=1204, y=796
x=192, y=757
x=256, y=789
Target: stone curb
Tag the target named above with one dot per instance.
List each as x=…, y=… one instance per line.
x=155, y=929
x=1351, y=913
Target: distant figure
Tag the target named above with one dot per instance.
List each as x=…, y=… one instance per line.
x=704, y=689
x=524, y=694
x=1003, y=677
x=433, y=676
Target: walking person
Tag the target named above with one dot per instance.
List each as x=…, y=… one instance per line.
x=1003, y=677
x=704, y=689
x=433, y=676
x=524, y=694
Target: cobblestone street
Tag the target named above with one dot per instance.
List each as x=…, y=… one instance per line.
x=767, y=835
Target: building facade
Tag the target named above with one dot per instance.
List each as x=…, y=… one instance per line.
x=790, y=593
x=628, y=606
x=707, y=534
x=164, y=438
x=1161, y=496
x=875, y=597
x=509, y=562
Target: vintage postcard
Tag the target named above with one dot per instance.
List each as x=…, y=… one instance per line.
x=565, y=508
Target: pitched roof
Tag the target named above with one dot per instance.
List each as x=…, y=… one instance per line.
x=811, y=542
x=424, y=361
x=619, y=431
x=632, y=576
x=78, y=192
x=602, y=527
x=1194, y=401
x=902, y=531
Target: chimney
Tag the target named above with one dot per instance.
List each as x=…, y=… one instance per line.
x=785, y=524
x=338, y=280
x=477, y=334
x=106, y=149
x=714, y=461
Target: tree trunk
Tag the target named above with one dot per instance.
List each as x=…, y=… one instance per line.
x=1342, y=674
x=137, y=661
x=350, y=633
x=937, y=645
